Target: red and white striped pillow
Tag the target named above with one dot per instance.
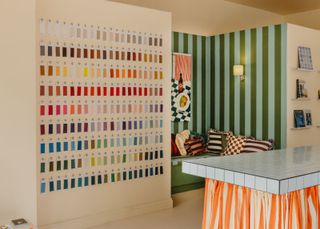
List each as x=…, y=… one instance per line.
x=253, y=145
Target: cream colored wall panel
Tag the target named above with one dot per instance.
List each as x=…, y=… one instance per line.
x=301, y=36
x=18, y=111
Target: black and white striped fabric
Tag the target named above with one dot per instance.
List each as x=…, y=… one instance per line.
x=215, y=140
x=253, y=145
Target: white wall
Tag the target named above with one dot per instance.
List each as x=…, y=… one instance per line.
x=18, y=110
x=301, y=36
x=82, y=208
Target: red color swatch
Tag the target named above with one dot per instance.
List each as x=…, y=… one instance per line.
x=104, y=91
x=42, y=110
x=78, y=91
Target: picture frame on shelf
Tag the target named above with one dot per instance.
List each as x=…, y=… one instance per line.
x=305, y=58
x=308, y=117
x=301, y=90
x=299, y=119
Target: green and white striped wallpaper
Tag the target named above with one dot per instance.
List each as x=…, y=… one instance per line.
x=253, y=107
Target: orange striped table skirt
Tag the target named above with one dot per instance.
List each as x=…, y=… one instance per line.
x=231, y=206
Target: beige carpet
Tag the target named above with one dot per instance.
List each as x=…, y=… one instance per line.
x=187, y=214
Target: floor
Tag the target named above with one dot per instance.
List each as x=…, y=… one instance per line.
x=187, y=214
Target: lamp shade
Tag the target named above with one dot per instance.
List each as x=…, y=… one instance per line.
x=238, y=70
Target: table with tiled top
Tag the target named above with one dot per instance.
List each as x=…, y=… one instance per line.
x=276, y=173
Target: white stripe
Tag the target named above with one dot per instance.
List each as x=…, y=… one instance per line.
x=217, y=84
x=237, y=86
x=172, y=73
x=259, y=94
x=283, y=85
x=180, y=50
x=226, y=81
x=271, y=81
x=248, y=83
x=190, y=50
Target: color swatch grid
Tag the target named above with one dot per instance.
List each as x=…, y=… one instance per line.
x=100, y=105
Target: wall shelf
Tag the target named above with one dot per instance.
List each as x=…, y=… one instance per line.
x=305, y=70
x=301, y=99
x=301, y=128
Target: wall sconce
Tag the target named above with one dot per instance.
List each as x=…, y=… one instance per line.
x=238, y=70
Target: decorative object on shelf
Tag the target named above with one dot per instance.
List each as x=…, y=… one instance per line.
x=299, y=120
x=238, y=70
x=308, y=117
x=304, y=58
x=181, y=88
x=5, y=227
x=301, y=90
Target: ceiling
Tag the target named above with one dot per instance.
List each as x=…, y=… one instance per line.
x=283, y=7
x=209, y=17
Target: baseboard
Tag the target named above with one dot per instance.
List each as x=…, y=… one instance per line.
x=187, y=187
x=107, y=216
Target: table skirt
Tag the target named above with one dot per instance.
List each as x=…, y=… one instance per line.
x=231, y=206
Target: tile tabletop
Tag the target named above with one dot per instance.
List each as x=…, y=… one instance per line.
x=277, y=171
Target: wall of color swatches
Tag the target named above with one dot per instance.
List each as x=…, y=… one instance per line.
x=100, y=105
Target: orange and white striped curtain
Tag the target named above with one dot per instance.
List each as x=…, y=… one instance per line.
x=183, y=67
x=231, y=206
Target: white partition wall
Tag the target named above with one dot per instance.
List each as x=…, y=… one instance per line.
x=85, y=112
x=298, y=36
x=18, y=111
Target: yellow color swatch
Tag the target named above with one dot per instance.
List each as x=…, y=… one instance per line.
x=93, y=162
x=65, y=71
x=85, y=72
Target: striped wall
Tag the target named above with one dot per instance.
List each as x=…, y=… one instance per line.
x=255, y=106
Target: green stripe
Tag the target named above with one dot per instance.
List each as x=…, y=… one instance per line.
x=212, y=82
x=194, y=83
x=185, y=50
x=265, y=82
x=231, y=82
x=217, y=83
x=253, y=80
x=175, y=49
x=226, y=82
x=208, y=83
x=277, y=107
x=203, y=100
x=222, y=82
x=259, y=97
x=242, y=83
x=283, y=86
x=199, y=84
